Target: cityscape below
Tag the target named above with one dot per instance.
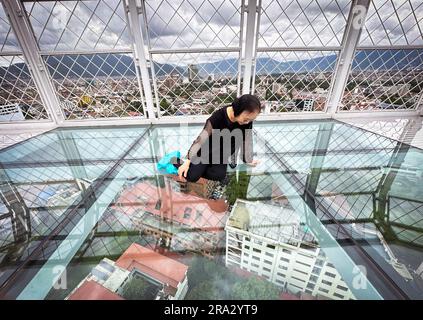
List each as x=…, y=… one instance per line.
x=109, y=88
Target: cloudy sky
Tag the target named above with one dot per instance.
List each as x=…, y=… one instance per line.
x=179, y=24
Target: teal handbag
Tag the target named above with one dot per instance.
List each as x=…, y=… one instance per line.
x=165, y=166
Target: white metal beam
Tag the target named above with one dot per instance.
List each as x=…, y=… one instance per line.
x=27, y=126
x=283, y=116
x=354, y=26
x=398, y=114
x=137, y=69
x=30, y=125
x=419, y=105
x=253, y=84
x=150, y=56
x=133, y=10
x=19, y=22
x=247, y=57
x=240, y=52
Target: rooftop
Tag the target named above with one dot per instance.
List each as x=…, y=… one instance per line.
x=159, y=267
x=91, y=290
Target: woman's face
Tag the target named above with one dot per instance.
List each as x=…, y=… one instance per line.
x=246, y=117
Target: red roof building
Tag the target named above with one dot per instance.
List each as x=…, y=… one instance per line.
x=170, y=275
x=91, y=290
x=184, y=208
x=157, y=266
x=185, y=221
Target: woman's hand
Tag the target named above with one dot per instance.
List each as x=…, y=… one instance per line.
x=183, y=169
x=253, y=163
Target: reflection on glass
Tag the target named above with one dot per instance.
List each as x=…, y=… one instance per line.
x=271, y=241
x=331, y=212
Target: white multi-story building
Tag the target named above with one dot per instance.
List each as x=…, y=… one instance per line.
x=278, y=88
x=399, y=89
x=193, y=74
x=272, y=242
x=308, y=104
x=11, y=112
x=199, y=100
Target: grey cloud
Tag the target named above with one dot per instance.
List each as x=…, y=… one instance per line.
x=277, y=11
x=228, y=13
x=64, y=28
x=186, y=23
x=7, y=39
x=159, y=28
x=164, y=31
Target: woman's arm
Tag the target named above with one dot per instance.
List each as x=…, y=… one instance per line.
x=199, y=141
x=195, y=147
x=247, y=146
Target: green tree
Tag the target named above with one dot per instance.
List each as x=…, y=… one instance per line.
x=325, y=85
x=139, y=289
x=225, y=98
x=82, y=104
x=202, y=269
x=255, y=289
x=164, y=105
x=135, y=106
x=196, y=272
x=209, y=280
x=237, y=189
x=268, y=95
x=206, y=290
x=210, y=110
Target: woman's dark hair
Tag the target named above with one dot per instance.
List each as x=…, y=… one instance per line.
x=246, y=102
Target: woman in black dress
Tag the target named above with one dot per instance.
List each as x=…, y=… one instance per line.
x=226, y=131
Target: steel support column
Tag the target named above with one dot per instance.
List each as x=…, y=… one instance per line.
x=20, y=24
x=248, y=49
x=133, y=10
x=355, y=23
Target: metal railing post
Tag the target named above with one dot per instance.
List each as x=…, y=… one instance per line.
x=19, y=22
x=134, y=24
x=353, y=28
x=249, y=46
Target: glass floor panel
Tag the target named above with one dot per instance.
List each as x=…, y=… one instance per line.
x=331, y=212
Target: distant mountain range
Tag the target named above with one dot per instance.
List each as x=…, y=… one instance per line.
x=94, y=65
